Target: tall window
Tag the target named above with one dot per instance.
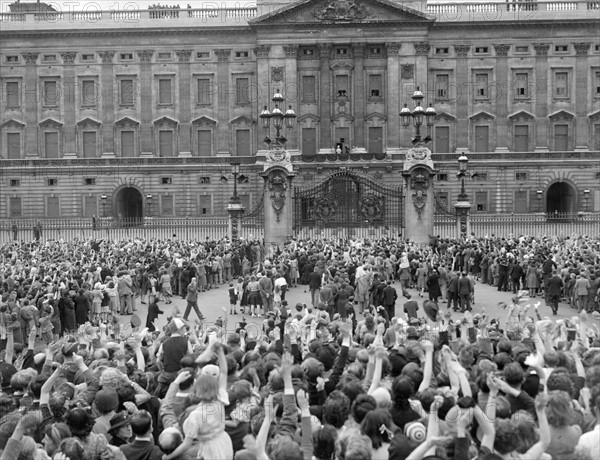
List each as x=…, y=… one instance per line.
x=442, y=139
x=51, y=144
x=88, y=93
x=342, y=133
x=442, y=87
x=309, y=93
x=561, y=85
x=204, y=91
x=127, y=92
x=309, y=142
x=13, y=96
x=205, y=205
x=342, y=88
x=14, y=206
x=521, y=85
x=165, y=143
x=242, y=142
x=521, y=138
x=375, y=139
x=520, y=206
x=166, y=204
x=375, y=86
x=90, y=146
x=596, y=141
x=482, y=138
x=50, y=94
x=52, y=206
x=242, y=90
x=561, y=137
x=13, y=141
x=481, y=86
x=204, y=142
x=127, y=144
x=481, y=201
x=164, y=91
x=596, y=84
x=90, y=206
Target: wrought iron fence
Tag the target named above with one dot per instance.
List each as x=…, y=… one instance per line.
x=69, y=229
x=532, y=224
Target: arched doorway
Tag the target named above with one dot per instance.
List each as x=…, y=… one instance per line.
x=560, y=199
x=128, y=206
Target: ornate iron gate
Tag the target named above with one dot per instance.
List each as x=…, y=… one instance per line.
x=348, y=204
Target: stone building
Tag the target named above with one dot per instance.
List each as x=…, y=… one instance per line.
x=140, y=112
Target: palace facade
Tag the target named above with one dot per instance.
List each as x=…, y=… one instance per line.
x=141, y=112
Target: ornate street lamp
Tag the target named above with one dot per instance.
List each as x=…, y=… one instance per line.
x=279, y=119
x=418, y=116
x=463, y=161
x=235, y=170
x=586, y=197
x=540, y=195
x=103, y=198
x=148, y=204
x=234, y=207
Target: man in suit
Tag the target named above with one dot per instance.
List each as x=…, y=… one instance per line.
x=465, y=291
x=554, y=287
x=389, y=299
x=142, y=447
x=516, y=273
x=266, y=292
x=125, y=294
x=453, y=291
x=314, y=284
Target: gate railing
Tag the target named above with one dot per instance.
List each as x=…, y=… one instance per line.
x=516, y=224
x=69, y=229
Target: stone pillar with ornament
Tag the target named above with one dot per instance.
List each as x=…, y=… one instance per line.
x=419, y=200
x=278, y=174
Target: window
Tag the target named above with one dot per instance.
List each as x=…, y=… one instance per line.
x=205, y=205
x=242, y=142
x=376, y=86
x=342, y=135
x=520, y=176
x=15, y=182
x=49, y=58
x=242, y=88
x=308, y=52
x=12, y=59
x=126, y=57
x=205, y=142
x=341, y=85
x=375, y=139
x=341, y=51
x=482, y=50
x=441, y=86
x=482, y=138
x=521, y=138
x=520, y=205
x=51, y=182
x=521, y=85
x=561, y=85
x=14, y=205
x=165, y=143
x=245, y=199
x=442, y=177
x=13, y=144
x=51, y=144
x=90, y=206
x=442, y=50
x=13, y=96
x=88, y=57
x=204, y=91
x=202, y=55
x=442, y=139
x=522, y=49
x=376, y=50
x=561, y=137
x=241, y=54
x=309, y=142
x=164, y=56
x=596, y=140
x=596, y=84
x=481, y=86
x=480, y=176
x=166, y=205
x=561, y=48
x=88, y=93
x=596, y=48
x=127, y=92
x=204, y=180
x=50, y=94
x=127, y=144
x=166, y=180
x=164, y=91
x=89, y=181
x=52, y=206
x=481, y=201
x=309, y=93
x=90, y=146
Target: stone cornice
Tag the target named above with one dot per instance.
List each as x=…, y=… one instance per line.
x=183, y=55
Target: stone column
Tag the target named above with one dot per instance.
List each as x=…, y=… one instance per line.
x=186, y=99
x=30, y=91
x=462, y=97
x=69, y=85
x=420, y=70
x=542, y=130
x=107, y=98
x=326, y=98
x=502, y=94
x=419, y=200
x=223, y=128
x=264, y=92
x=407, y=73
x=392, y=104
x=581, y=102
x=234, y=222
x=146, y=131
x=463, y=218
x=359, y=98
x=290, y=92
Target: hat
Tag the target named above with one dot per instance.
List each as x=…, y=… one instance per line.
x=175, y=325
x=120, y=419
x=106, y=400
x=69, y=348
x=39, y=358
x=415, y=431
x=136, y=321
x=431, y=309
x=212, y=370
x=97, y=286
x=219, y=322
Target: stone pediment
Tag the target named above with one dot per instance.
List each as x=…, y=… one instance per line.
x=166, y=121
x=595, y=115
x=51, y=123
x=12, y=123
x=521, y=115
x=204, y=120
x=127, y=122
x=445, y=117
x=309, y=116
x=340, y=12
x=482, y=117
x=561, y=115
x=88, y=122
x=242, y=120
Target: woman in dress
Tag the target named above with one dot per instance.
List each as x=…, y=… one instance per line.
x=165, y=286
x=533, y=282
x=294, y=272
x=253, y=290
x=421, y=275
x=97, y=296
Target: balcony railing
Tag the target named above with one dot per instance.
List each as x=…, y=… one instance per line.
x=443, y=11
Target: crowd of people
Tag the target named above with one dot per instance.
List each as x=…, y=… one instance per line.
x=387, y=359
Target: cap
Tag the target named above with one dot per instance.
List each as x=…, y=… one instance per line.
x=415, y=431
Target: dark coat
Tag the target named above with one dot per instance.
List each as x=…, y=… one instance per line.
x=389, y=296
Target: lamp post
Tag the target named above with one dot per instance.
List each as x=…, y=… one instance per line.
x=540, y=195
x=462, y=205
x=418, y=116
x=586, y=197
x=463, y=161
x=235, y=208
x=279, y=120
x=148, y=205
x=103, y=198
